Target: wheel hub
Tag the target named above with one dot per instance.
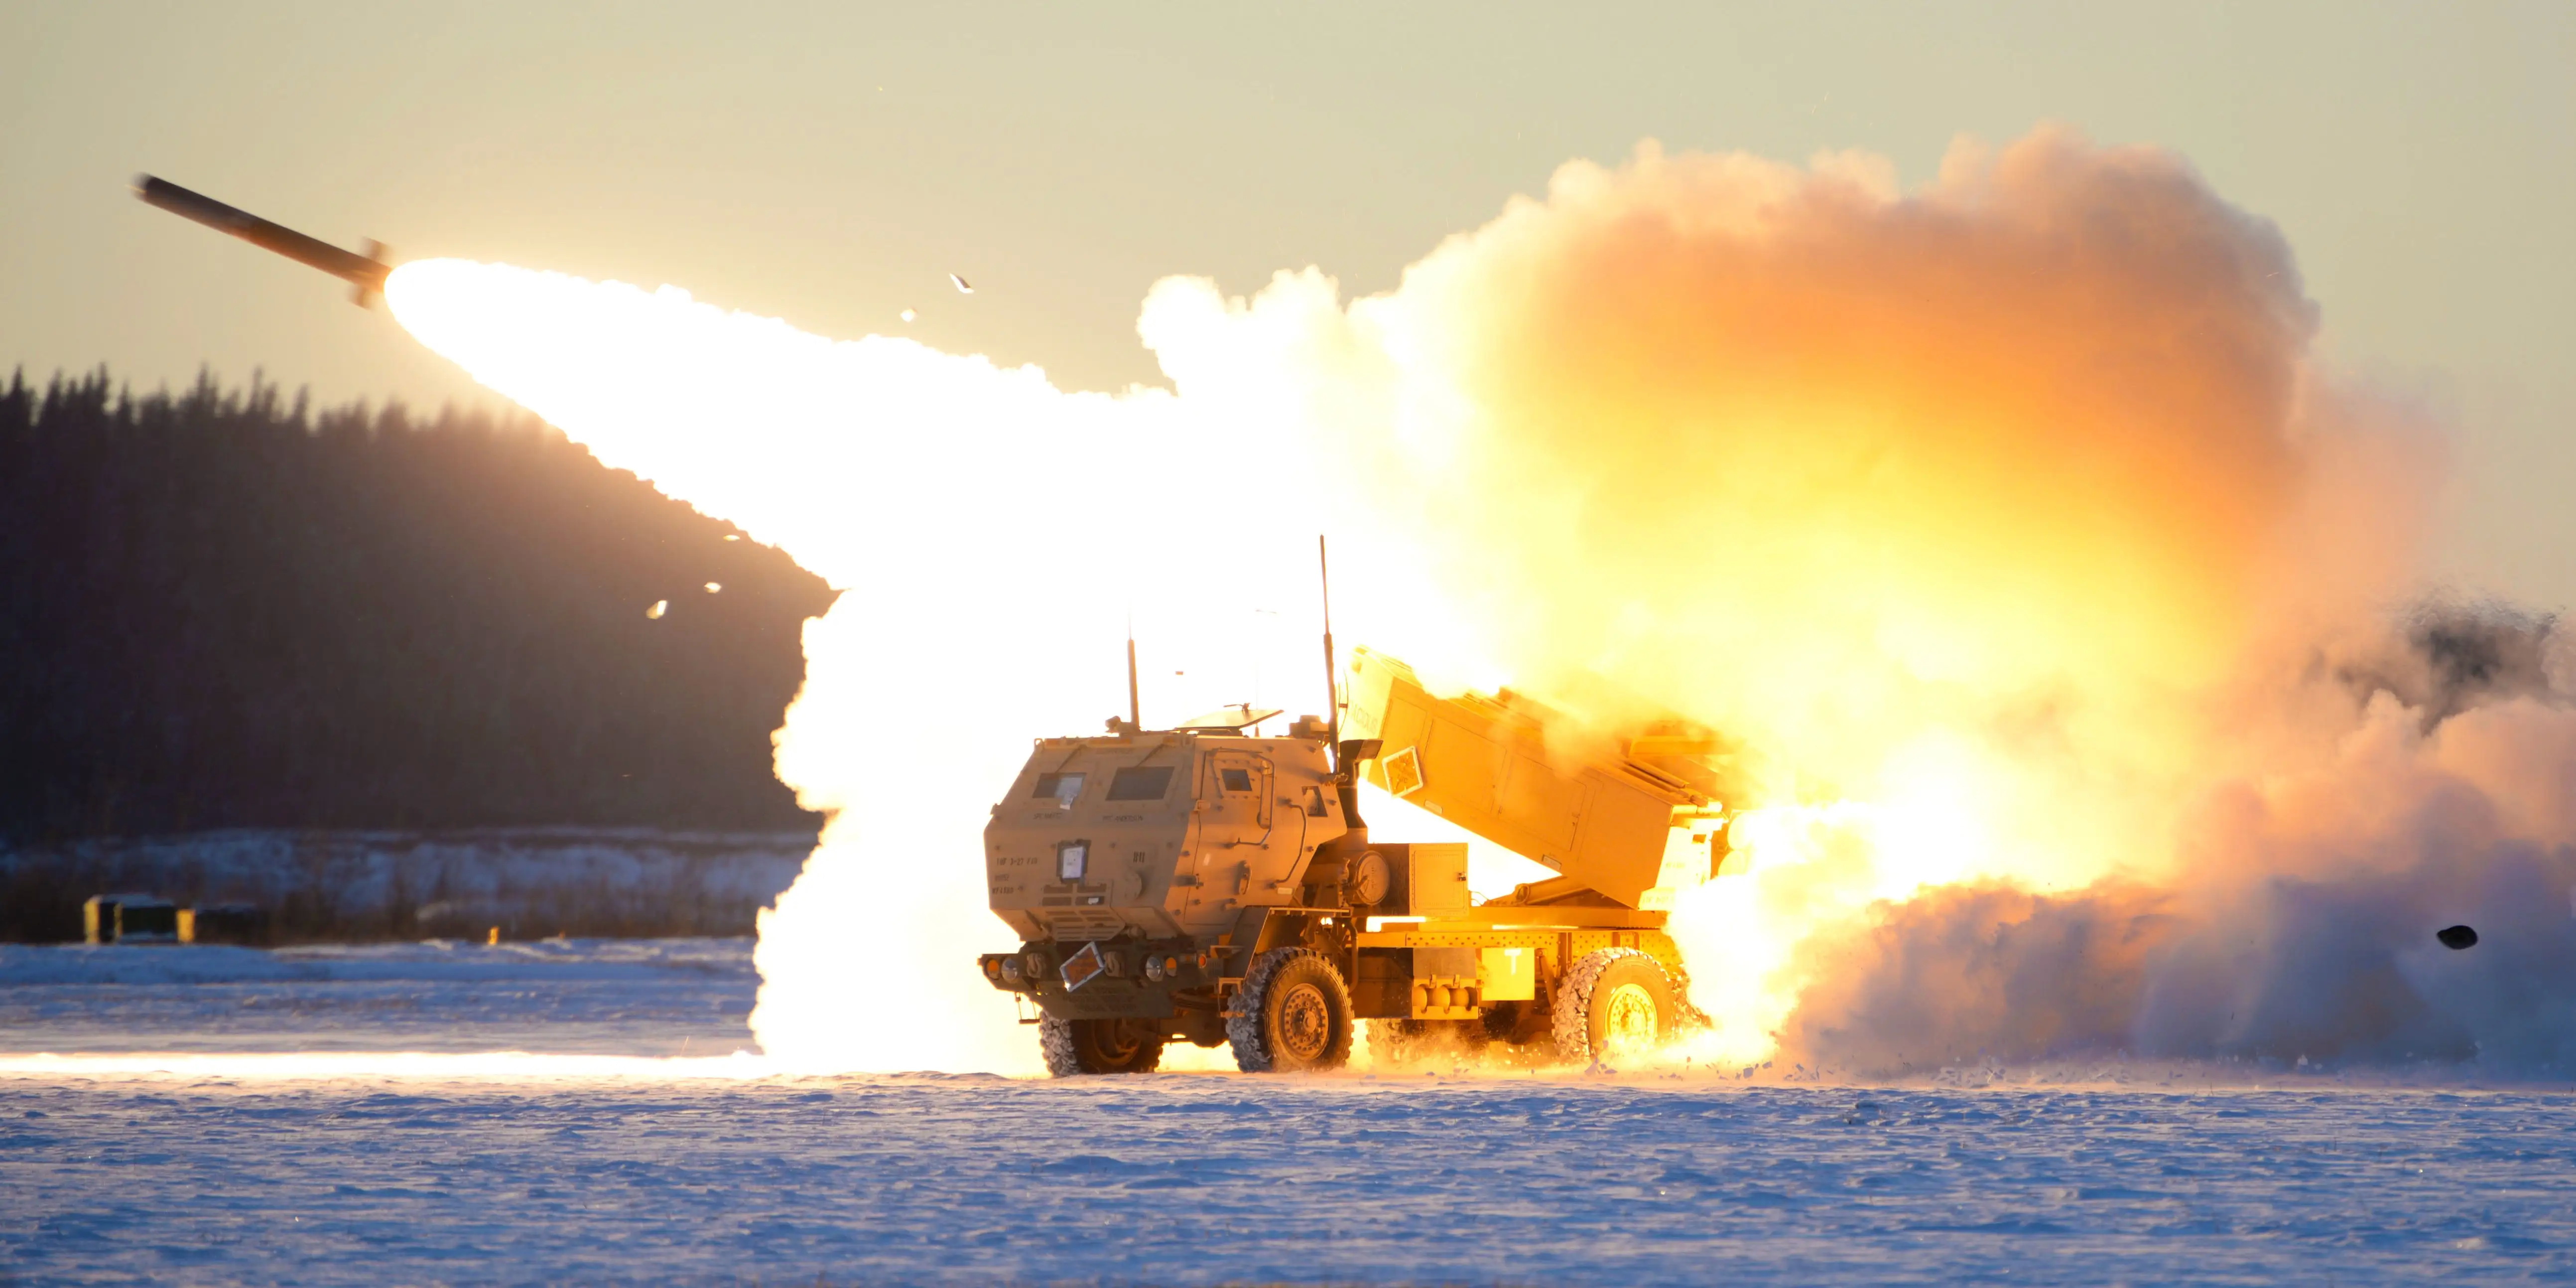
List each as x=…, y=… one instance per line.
x=1116, y=1040
x=1628, y=1018
x=1305, y=1022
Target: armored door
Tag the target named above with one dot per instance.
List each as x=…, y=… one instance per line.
x=1239, y=822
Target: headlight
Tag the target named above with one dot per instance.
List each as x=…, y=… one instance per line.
x=1036, y=966
x=1011, y=970
x=1154, y=969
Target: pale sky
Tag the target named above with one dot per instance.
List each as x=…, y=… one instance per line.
x=832, y=163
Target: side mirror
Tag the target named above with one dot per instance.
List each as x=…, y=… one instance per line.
x=1354, y=750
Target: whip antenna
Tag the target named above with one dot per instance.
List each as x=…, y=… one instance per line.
x=1332, y=676
x=1135, y=712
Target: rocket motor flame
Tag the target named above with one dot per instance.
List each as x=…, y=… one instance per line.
x=1986, y=516
x=991, y=538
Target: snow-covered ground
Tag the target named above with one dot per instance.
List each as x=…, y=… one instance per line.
x=363, y=1168
x=594, y=996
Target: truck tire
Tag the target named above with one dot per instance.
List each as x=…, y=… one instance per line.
x=1614, y=1001
x=1099, y=1046
x=1293, y=1015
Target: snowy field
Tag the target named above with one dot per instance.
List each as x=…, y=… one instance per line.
x=652, y=997
x=214, y=1164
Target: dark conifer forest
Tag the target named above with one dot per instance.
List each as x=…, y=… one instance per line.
x=221, y=608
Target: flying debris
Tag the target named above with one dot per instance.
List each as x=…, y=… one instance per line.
x=2457, y=938
x=733, y=536
x=962, y=287
x=654, y=614
x=908, y=315
x=365, y=272
x=714, y=586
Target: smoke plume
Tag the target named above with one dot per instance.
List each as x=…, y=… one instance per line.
x=1998, y=519
x=2299, y=926
x=2007, y=523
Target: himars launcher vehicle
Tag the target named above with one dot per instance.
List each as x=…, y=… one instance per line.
x=1200, y=884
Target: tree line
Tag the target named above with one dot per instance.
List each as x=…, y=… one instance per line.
x=220, y=608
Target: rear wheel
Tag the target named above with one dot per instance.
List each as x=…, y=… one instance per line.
x=1615, y=1002
x=1293, y=1015
x=1100, y=1046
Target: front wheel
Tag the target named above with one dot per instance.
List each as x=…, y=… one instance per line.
x=1293, y=1015
x=1617, y=1001
x=1100, y=1046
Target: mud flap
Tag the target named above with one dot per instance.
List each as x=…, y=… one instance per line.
x=1248, y=927
x=1240, y=946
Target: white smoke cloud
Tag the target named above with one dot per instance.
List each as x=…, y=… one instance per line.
x=2302, y=924
x=2007, y=522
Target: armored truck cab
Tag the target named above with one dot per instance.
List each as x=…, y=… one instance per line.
x=1143, y=871
x=1157, y=836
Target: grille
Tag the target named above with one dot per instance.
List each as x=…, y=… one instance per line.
x=1083, y=923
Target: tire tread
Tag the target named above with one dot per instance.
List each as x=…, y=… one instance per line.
x=1064, y=1055
x=1572, y=1018
x=1243, y=1030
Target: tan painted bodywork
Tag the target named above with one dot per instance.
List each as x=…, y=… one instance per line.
x=1510, y=954
x=1185, y=864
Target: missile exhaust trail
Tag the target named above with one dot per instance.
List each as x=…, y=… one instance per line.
x=364, y=273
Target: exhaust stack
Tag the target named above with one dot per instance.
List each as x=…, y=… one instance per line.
x=365, y=273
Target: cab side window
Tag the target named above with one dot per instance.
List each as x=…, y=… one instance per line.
x=1315, y=802
x=1141, y=783
x=1235, y=780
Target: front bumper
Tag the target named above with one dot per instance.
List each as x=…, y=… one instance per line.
x=1131, y=979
